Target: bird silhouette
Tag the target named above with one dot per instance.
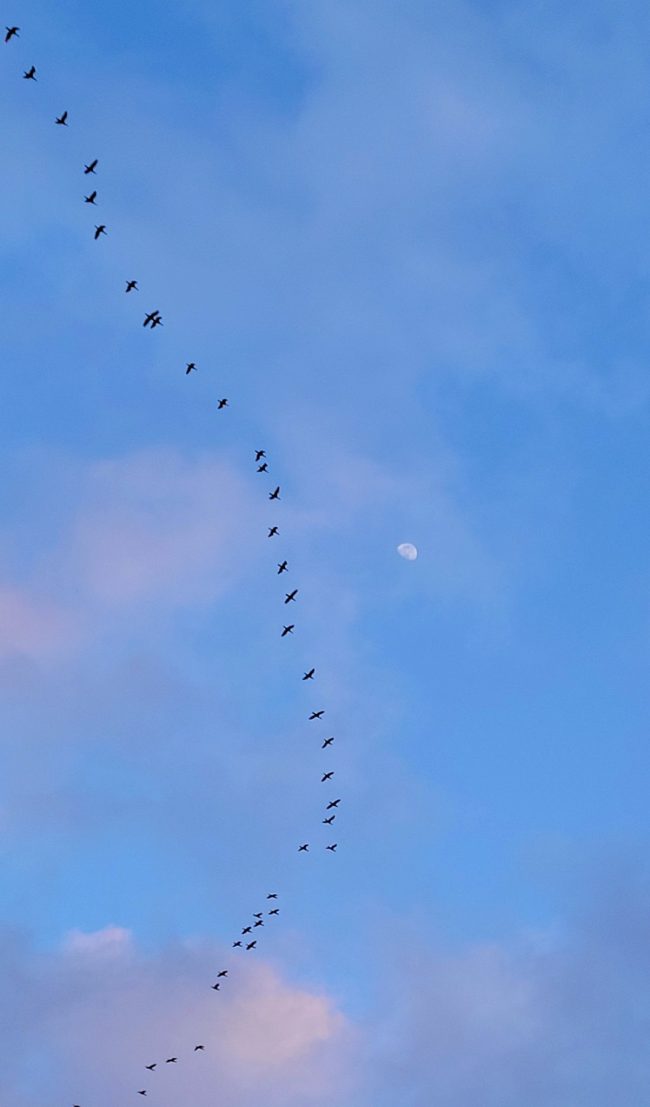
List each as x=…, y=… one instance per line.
x=309, y=675
x=189, y=367
x=151, y=1067
x=224, y=972
x=247, y=930
x=291, y=596
x=332, y=847
x=258, y=914
x=334, y=803
x=275, y=911
x=12, y=32
x=260, y=922
x=222, y=403
x=263, y=468
x=327, y=742
x=157, y=322
x=62, y=120
x=216, y=987
x=196, y=1048
x=236, y=945
x=304, y=848
x=272, y=895
x=91, y=167
x=91, y=198
x=287, y=630
x=275, y=494
x=100, y=230
x=132, y=286
x=328, y=822
x=283, y=567
x=171, y=1060
x=150, y=318
x=259, y=454
x=317, y=715
x=30, y=74
x=251, y=945
x=326, y=776
x=142, y=1092
x=272, y=532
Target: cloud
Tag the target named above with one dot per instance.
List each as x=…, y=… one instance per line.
x=34, y=628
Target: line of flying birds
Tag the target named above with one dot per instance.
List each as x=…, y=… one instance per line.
x=152, y=320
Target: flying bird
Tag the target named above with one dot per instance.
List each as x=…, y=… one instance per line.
x=92, y=167
x=328, y=822
x=275, y=494
x=91, y=198
x=327, y=742
x=317, y=715
x=251, y=945
x=236, y=944
x=222, y=404
x=224, y=972
x=326, y=776
x=157, y=322
x=309, y=675
x=12, y=32
x=282, y=567
x=263, y=468
x=30, y=74
x=216, y=987
x=150, y=318
x=260, y=922
x=272, y=532
x=334, y=803
x=258, y=914
x=275, y=911
x=272, y=895
x=259, y=454
x=189, y=367
x=132, y=286
x=291, y=596
x=151, y=1067
x=171, y=1060
x=196, y=1048
x=304, y=849
x=287, y=630
x=100, y=230
x=247, y=930
x=62, y=120
x=332, y=847
x=142, y=1092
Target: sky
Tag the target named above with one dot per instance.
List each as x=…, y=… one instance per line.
x=408, y=241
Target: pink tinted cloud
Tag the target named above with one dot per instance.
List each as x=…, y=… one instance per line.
x=33, y=627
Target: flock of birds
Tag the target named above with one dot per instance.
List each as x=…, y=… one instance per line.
x=247, y=940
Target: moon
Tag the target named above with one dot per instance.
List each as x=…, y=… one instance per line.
x=408, y=551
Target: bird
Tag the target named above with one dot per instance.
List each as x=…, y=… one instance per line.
x=272, y=532
x=282, y=567
x=216, y=987
x=91, y=199
x=317, y=715
x=189, y=367
x=62, y=120
x=332, y=847
x=263, y=468
x=333, y=803
x=157, y=322
x=91, y=167
x=236, y=944
x=304, y=848
x=151, y=1067
x=224, y=972
x=12, y=32
x=275, y=911
x=327, y=742
x=326, y=776
x=222, y=403
x=259, y=454
x=287, y=630
x=247, y=930
x=171, y=1060
x=251, y=945
x=260, y=922
x=149, y=318
x=275, y=494
x=328, y=822
x=196, y=1048
x=132, y=286
x=30, y=74
x=142, y=1092
x=100, y=230
x=272, y=895
x=309, y=675
x=258, y=914
x=291, y=596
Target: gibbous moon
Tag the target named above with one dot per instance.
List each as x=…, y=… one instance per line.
x=408, y=551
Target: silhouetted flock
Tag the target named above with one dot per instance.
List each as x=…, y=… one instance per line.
x=248, y=938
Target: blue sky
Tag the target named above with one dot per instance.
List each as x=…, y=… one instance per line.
x=408, y=241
